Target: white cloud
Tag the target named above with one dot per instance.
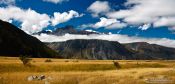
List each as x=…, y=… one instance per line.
x=146, y=12
x=64, y=17
x=99, y=7
x=111, y=37
x=89, y=30
x=104, y=22
x=107, y=23
x=116, y=25
x=33, y=21
x=7, y=2
x=55, y=1
x=145, y=26
x=165, y=21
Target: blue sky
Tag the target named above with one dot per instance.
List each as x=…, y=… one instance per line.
x=87, y=16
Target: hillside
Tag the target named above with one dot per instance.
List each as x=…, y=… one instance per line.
x=91, y=49
x=151, y=51
x=15, y=42
x=102, y=49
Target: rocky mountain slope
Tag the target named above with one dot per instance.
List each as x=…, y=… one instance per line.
x=151, y=51
x=15, y=42
x=91, y=49
x=102, y=49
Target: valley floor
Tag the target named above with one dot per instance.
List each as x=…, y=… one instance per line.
x=72, y=71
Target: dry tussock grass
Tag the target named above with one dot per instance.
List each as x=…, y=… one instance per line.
x=84, y=71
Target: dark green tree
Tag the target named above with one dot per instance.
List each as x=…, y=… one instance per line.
x=25, y=60
x=116, y=64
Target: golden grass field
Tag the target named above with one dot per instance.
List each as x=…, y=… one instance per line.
x=72, y=71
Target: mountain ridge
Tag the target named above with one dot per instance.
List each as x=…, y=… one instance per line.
x=87, y=49
x=66, y=30
x=84, y=48
x=15, y=42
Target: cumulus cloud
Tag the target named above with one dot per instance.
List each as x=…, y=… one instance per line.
x=110, y=37
x=157, y=12
x=55, y=1
x=145, y=26
x=116, y=25
x=7, y=2
x=107, y=23
x=104, y=22
x=33, y=21
x=99, y=7
x=165, y=21
x=64, y=17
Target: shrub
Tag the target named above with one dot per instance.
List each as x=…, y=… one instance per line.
x=116, y=64
x=75, y=60
x=48, y=60
x=66, y=61
x=25, y=60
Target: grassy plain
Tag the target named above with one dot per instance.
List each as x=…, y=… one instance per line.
x=72, y=71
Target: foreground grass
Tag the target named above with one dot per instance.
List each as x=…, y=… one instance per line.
x=59, y=67
x=130, y=76
x=66, y=71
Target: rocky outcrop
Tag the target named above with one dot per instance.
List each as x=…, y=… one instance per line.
x=91, y=49
x=151, y=51
x=102, y=49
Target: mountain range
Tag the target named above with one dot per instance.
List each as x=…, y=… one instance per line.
x=91, y=49
x=15, y=42
x=66, y=30
x=102, y=49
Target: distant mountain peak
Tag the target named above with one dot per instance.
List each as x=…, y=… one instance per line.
x=69, y=29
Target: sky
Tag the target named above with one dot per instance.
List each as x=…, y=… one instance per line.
x=143, y=19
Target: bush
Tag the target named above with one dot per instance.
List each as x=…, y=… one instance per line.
x=116, y=64
x=48, y=60
x=25, y=60
x=66, y=61
x=75, y=60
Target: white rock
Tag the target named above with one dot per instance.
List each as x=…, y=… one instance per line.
x=41, y=77
x=30, y=78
